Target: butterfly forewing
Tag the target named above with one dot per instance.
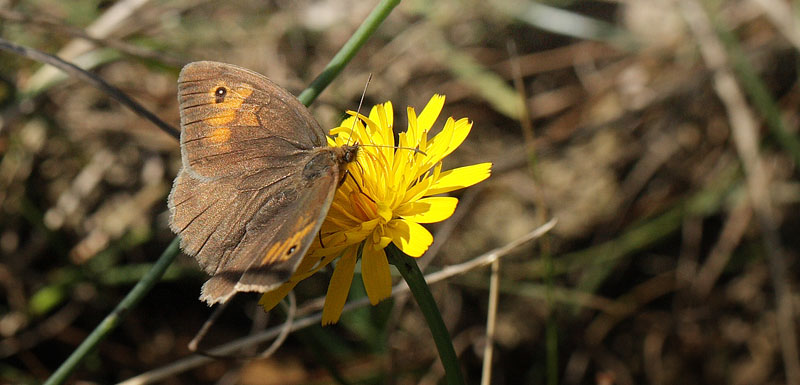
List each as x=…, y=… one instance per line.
x=234, y=120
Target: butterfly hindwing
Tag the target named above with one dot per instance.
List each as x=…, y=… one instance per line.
x=276, y=238
x=211, y=218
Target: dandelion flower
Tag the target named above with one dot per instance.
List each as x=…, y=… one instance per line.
x=387, y=196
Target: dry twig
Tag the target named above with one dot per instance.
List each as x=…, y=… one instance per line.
x=401, y=288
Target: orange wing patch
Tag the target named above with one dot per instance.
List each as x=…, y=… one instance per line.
x=220, y=135
x=228, y=105
x=282, y=251
x=226, y=109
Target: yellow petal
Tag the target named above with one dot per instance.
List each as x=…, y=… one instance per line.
x=459, y=178
x=445, y=142
x=339, y=287
x=384, y=135
x=412, y=133
x=428, y=210
x=375, y=274
x=410, y=237
x=389, y=115
x=345, y=130
x=320, y=252
x=383, y=114
x=380, y=240
x=371, y=126
x=336, y=240
x=430, y=113
x=418, y=190
x=272, y=298
x=384, y=212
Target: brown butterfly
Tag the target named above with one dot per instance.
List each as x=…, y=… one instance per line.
x=257, y=180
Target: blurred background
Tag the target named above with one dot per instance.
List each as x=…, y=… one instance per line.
x=661, y=134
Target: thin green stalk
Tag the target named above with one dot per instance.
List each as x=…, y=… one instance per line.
x=759, y=94
x=551, y=328
x=115, y=317
x=422, y=294
x=111, y=321
x=349, y=49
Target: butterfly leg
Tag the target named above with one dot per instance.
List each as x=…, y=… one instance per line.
x=346, y=174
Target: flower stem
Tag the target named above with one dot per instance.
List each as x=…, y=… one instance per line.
x=348, y=50
x=419, y=288
x=115, y=317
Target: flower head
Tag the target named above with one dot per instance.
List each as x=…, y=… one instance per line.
x=387, y=196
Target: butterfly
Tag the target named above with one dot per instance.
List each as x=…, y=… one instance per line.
x=257, y=178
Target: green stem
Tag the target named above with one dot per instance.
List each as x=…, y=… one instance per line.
x=419, y=289
x=551, y=328
x=115, y=317
x=759, y=94
x=349, y=49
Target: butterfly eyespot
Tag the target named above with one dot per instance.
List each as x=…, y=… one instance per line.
x=220, y=94
x=291, y=250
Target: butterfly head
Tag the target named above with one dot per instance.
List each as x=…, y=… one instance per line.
x=346, y=154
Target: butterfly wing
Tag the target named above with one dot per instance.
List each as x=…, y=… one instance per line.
x=277, y=237
x=249, y=239
x=211, y=216
x=234, y=120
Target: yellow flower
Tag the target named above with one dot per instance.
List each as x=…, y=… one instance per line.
x=385, y=199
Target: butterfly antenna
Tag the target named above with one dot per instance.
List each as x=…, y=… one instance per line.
x=358, y=112
x=360, y=102
x=415, y=149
